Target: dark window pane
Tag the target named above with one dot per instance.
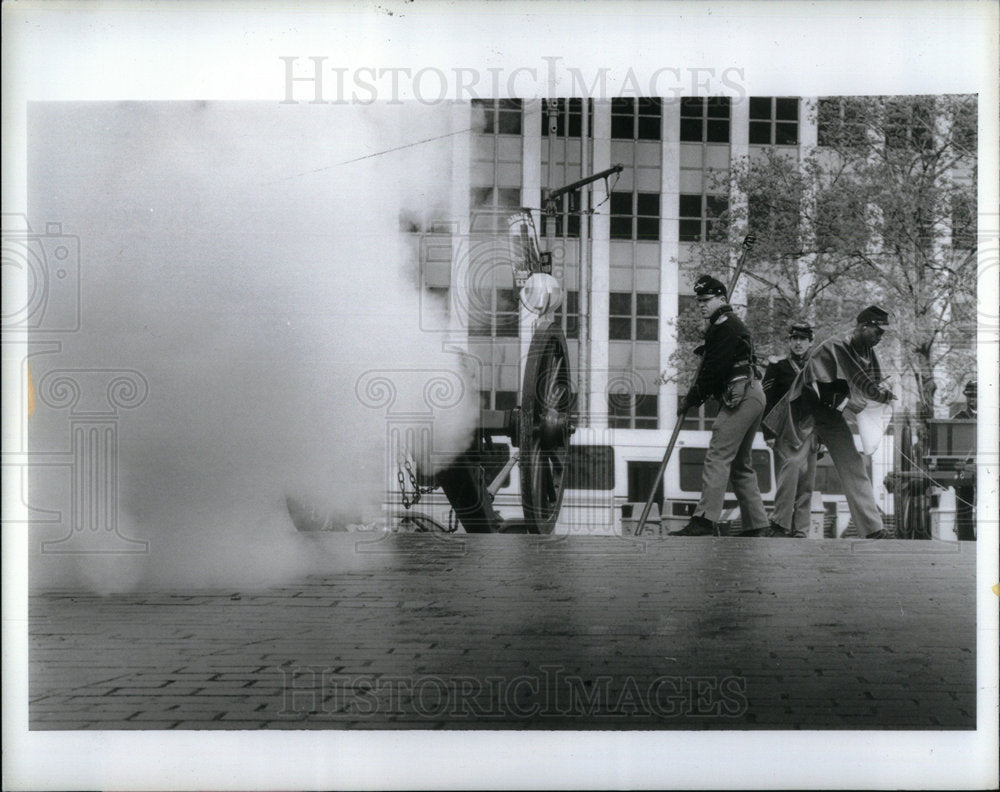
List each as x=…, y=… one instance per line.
x=622, y=106
x=690, y=205
x=715, y=205
x=509, y=197
x=509, y=104
x=506, y=300
x=645, y=423
x=647, y=329
x=760, y=132
x=647, y=304
x=481, y=196
x=621, y=227
x=507, y=326
x=649, y=106
x=573, y=226
x=760, y=107
x=510, y=123
x=719, y=107
x=620, y=329
x=786, y=134
x=690, y=230
x=506, y=400
x=649, y=128
x=620, y=303
x=591, y=468
x=691, y=130
x=718, y=131
x=622, y=127
x=647, y=228
x=648, y=204
x=786, y=109
x=575, y=125
x=646, y=404
x=621, y=203
x=692, y=107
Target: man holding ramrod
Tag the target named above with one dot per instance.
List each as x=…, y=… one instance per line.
x=727, y=373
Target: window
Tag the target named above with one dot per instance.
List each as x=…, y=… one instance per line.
x=636, y=119
x=568, y=315
x=699, y=217
x=493, y=312
x=628, y=410
x=491, y=206
x=963, y=222
x=497, y=400
x=568, y=218
x=705, y=120
x=502, y=116
x=909, y=123
x=569, y=121
x=590, y=467
x=634, y=316
x=774, y=121
x=635, y=216
x=841, y=122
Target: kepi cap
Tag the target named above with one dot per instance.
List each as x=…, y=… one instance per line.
x=707, y=285
x=874, y=315
x=970, y=388
x=800, y=330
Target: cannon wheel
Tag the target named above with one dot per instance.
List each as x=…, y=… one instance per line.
x=544, y=428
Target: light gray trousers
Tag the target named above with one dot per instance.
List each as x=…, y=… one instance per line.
x=728, y=459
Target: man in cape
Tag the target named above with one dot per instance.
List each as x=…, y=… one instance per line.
x=840, y=375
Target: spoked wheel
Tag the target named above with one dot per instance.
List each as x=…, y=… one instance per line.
x=544, y=428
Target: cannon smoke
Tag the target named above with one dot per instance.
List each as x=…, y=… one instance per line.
x=247, y=260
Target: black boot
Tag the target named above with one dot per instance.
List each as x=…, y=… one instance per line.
x=775, y=530
x=697, y=526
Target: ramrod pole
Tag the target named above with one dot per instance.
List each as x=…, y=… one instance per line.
x=747, y=244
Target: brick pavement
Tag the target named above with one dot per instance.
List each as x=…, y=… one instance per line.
x=507, y=631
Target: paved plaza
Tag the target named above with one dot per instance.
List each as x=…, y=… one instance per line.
x=526, y=632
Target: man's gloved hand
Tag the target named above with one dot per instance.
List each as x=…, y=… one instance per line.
x=684, y=404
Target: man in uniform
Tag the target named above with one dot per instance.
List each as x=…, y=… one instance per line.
x=840, y=374
x=965, y=487
x=796, y=475
x=727, y=374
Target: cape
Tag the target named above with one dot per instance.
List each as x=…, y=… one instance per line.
x=854, y=384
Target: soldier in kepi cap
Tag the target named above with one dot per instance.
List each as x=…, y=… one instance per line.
x=839, y=375
x=965, y=487
x=795, y=474
x=727, y=374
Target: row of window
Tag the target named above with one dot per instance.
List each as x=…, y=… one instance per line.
x=633, y=215
x=773, y=120
x=633, y=315
x=625, y=410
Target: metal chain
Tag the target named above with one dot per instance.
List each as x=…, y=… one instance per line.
x=418, y=491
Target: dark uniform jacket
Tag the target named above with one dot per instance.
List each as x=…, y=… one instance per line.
x=777, y=380
x=728, y=352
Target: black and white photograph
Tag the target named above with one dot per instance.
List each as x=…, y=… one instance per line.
x=504, y=394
